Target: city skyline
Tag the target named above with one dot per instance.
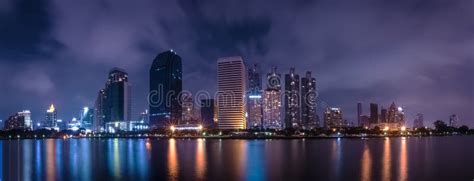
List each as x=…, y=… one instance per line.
x=50, y=66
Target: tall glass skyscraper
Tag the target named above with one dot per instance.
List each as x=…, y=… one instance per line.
x=231, y=84
x=165, y=88
x=308, y=101
x=292, y=100
x=254, y=96
x=118, y=102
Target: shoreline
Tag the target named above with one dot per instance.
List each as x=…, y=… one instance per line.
x=231, y=137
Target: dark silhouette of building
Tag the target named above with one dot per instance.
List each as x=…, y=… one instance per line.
x=208, y=112
x=374, y=113
x=359, y=114
x=118, y=105
x=165, y=89
x=292, y=100
x=99, y=107
x=383, y=115
x=308, y=101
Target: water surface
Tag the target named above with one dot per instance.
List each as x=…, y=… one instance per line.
x=414, y=158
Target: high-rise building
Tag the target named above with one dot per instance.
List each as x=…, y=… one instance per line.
x=187, y=108
x=254, y=101
x=166, y=85
x=359, y=114
x=453, y=120
x=383, y=115
x=333, y=118
x=87, y=118
x=308, y=101
x=374, y=113
x=99, y=110
x=118, y=102
x=419, y=122
x=231, y=84
x=208, y=112
x=51, y=118
x=272, y=102
x=292, y=100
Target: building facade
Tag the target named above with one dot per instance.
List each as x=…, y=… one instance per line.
x=98, y=124
x=374, y=113
x=231, y=85
x=308, y=101
x=292, y=100
x=165, y=90
x=118, y=102
x=272, y=102
x=51, y=118
x=333, y=118
x=254, y=98
x=208, y=113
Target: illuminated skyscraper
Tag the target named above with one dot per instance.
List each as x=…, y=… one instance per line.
x=51, y=117
x=272, y=102
x=165, y=88
x=27, y=119
x=254, y=101
x=292, y=100
x=231, y=84
x=16, y=121
x=118, y=105
x=333, y=118
x=308, y=101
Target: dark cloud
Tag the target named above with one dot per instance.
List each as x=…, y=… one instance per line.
x=416, y=53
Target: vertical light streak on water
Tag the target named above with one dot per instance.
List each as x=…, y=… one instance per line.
x=117, y=159
x=366, y=164
x=403, y=160
x=336, y=156
x=27, y=160
x=38, y=157
x=255, y=159
x=1, y=160
x=132, y=156
x=50, y=160
x=173, y=165
x=85, y=164
x=386, y=160
x=201, y=159
x=142, y=156
x=59, y=151
x=73, y=154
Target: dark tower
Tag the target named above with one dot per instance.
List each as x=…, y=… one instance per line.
x=374, y=113
x=165, y=89
x=308, y=101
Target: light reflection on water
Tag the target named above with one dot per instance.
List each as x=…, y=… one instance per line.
x=203, y=159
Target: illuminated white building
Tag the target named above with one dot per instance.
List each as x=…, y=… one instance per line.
x=231, y=84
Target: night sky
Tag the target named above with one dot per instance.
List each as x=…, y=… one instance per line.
x=418, y=53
